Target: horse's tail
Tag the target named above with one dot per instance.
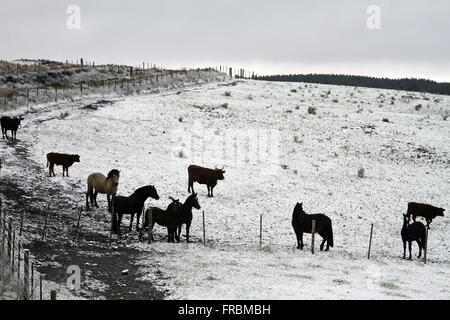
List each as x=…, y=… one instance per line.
x=330, y=235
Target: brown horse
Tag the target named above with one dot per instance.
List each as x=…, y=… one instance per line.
x=102, y=184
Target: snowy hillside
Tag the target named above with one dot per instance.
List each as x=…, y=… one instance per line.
x=280, y=143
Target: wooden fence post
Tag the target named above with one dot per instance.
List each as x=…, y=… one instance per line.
x=313, y=232
x=150, y=224
x=78, y=225
x=21, y=224
x=45, y=226
x=370, y=241
x=3, y=226
x=13, y=250
x=9, y=236
x=32, y=281
x=26, y=275
x=113, y=216
x=41, y=276
x=204, y=230
x=260, y=231
x=19, y=246
x=426, y=246
x=142, y=223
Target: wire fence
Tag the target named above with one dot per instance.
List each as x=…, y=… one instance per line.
x=23, y=267
x=12, y=98
x=130, y=81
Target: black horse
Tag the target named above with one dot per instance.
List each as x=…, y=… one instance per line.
x=302, y=222
x=165, y=218
x=131, y=205
x=413, y=232
x=184, y=214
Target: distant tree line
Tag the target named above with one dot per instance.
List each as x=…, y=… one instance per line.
x=419, y=85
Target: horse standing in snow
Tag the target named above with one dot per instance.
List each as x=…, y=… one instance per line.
x=131, y=205
x=413, y=232
x=302, y=222
x=165, y=218
x=184, y=214
x=104, y=185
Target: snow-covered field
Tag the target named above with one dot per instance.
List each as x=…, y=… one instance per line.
x=311, y=158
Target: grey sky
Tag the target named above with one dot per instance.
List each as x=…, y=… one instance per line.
x=284, y=36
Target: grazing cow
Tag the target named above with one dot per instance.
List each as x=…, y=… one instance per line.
x=11, y=124
x=413, y=232
x=427, y=211
x=204, y=176
x=60, y=159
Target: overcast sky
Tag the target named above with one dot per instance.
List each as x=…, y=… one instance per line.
x=283, y=36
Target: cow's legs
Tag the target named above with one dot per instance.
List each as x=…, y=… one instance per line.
x=108, y=197
x=212, y=194
x=208, y=191
x=404, y=249
x=409, y=245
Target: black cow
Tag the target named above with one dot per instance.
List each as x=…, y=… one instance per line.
x=11, y=124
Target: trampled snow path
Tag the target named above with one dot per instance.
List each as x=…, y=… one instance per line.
x=152, y=139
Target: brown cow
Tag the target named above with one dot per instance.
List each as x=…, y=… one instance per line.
x=60, y=159
x=427, y=211
x=204, y=176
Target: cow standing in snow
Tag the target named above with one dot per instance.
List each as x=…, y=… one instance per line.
x=427, y=211
x=60, y=159
x=204, y=176
x=11, y=124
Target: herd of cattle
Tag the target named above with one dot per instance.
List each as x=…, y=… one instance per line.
x=178, y=214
